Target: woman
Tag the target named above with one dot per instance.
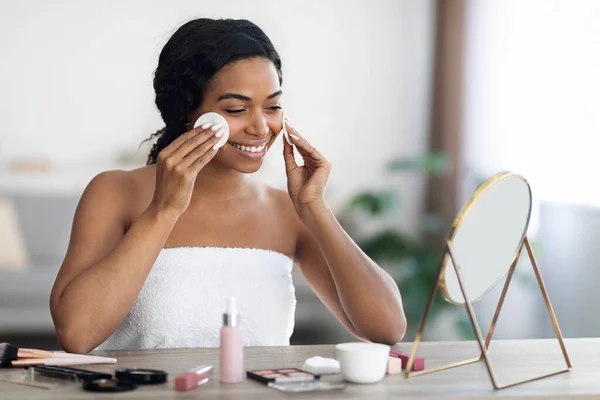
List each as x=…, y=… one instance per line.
x=155, y=252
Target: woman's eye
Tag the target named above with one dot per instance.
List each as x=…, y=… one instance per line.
x=238, y=111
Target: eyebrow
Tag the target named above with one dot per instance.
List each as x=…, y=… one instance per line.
x=246, y=98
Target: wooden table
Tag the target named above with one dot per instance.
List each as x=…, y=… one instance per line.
x=512, y=360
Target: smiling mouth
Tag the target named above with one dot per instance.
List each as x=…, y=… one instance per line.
x=249, y=149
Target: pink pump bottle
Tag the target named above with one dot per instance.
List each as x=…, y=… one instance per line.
x=231, y=354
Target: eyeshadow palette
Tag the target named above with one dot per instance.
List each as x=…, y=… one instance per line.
x=280, y=375
x=312, y=386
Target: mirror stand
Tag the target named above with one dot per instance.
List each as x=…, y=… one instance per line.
x=483, y=345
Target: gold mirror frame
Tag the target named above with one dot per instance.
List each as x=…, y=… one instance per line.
x=448, y=253
x=458, y=222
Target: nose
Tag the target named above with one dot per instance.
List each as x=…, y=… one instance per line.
x=258, y=125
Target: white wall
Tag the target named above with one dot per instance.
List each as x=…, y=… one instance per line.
x=532, y=94
x=75, y=77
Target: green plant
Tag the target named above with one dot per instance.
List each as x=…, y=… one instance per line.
x=413, y=259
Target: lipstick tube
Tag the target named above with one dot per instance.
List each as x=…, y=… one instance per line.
x=190, y=379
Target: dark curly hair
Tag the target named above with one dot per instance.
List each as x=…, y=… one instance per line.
x=188, y=61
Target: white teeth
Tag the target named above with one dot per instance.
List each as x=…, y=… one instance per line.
x=249, y=149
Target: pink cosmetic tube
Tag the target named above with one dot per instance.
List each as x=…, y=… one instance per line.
x=190, y=379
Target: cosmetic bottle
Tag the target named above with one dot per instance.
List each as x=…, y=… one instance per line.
x=231, y=352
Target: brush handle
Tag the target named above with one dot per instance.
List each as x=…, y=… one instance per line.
x=58, y=354
x=84, y=360
x=34, y=353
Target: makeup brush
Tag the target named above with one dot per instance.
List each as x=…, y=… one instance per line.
x=58, y=361
x=9, y=352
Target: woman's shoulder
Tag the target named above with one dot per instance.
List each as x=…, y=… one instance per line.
x=122, y=182
x=126, y=190
x=278, y=198
x=280, y=202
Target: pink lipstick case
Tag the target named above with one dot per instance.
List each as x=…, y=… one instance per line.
x=418, y=365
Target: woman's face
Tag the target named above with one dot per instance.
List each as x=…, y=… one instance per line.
x=247, y=93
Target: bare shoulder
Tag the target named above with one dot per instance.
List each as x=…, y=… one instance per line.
x=110, y=182
x=281, y=201
x=119, y=190
x=115, y=184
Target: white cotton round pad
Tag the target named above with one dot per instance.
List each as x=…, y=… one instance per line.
x=286, y=135
x=321, y=366
x=215, y=119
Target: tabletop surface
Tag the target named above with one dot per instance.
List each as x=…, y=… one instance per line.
x=512, y=360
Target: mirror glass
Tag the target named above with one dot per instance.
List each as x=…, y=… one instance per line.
x=487, y=235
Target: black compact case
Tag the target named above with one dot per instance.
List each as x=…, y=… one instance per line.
x=127, y=379
x=67, y=373
x=141, y=376
x=108, y=385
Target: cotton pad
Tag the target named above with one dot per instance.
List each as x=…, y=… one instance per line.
x=215, y=119
x=286, y=135
x=321, y=366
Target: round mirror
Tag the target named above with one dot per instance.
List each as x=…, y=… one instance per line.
x=486, y=236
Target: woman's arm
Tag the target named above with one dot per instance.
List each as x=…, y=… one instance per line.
x=360, y=293
x=104, y=268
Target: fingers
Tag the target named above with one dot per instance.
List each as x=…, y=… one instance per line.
x=191, y=164
x=306, y=150
x=213, y=133
x=309, y=154
x=208, y=128
x=192, y=145
x=288, y=157
x=209, y=147
x=202, y=159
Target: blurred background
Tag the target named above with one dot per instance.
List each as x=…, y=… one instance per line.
x=415, y=102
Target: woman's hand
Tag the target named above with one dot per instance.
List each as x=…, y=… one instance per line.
x=306, y=183
x=334, y=266
x=179, y=163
